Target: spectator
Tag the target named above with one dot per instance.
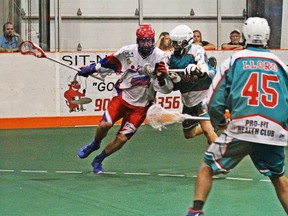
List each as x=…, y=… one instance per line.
x=164, y=42
x=234, y=44
x=10, y=41
x=197, y=39
x=243, y=89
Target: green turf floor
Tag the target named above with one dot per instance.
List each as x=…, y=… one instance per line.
x=153, y=175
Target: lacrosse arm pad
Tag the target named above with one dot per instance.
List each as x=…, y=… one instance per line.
x=87, y=70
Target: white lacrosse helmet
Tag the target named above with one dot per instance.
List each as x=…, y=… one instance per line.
x=256, y=31
x=181, y=33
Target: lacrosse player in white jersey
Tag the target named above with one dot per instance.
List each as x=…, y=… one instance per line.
x=134, y=92
x=253, y=85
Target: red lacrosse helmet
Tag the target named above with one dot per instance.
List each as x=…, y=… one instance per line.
x=145, y=31
x=145, y=40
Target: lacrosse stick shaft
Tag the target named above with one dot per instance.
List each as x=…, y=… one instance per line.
x=186, y=116
x=59, y=62
x=176, y=70
x=149, y=69
x=29, y=48
x=72, y=67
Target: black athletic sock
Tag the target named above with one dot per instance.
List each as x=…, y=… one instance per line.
x=198, y=205
x=97, y=143
x=101, y=156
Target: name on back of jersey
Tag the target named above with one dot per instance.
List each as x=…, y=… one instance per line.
x=259, y=64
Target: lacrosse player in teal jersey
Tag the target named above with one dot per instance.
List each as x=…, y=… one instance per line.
x=194, y=83
x=253, y=85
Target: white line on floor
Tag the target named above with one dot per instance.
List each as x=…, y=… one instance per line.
x=34, y=171
x=104, y=173
x=171, y=175
x=69, y=172
x=141, y=174
x=6, y=170
x=265, y=180
x=108, y=173
x=131, y=173
x=240, y=179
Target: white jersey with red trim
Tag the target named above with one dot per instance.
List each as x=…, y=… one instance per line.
x=134, y=86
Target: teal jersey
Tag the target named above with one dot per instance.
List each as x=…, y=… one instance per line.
x=192, y=92
x=182, y=62
x=253, y=85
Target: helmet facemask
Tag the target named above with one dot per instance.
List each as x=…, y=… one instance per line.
x=179, y=47
x=145, y=46
x=145, y=40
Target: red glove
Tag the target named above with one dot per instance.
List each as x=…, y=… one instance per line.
x=161, y=72
x=161, y=68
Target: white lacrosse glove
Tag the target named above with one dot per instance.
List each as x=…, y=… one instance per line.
x=174, y=77
x=193, y=69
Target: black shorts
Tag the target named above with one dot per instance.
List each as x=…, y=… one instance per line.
x=188, y=124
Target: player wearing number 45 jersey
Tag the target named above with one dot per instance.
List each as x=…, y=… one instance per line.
x=253, y=85
x=133, y=94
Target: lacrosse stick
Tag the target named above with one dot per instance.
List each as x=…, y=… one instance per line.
x=149, y=69
x=29, y=48
x=158, y=117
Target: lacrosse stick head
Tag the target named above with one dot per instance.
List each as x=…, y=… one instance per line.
x=149, y=70
x=29, y=48
x=158, y=117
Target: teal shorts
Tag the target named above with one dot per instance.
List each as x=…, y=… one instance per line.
x=226, y=152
